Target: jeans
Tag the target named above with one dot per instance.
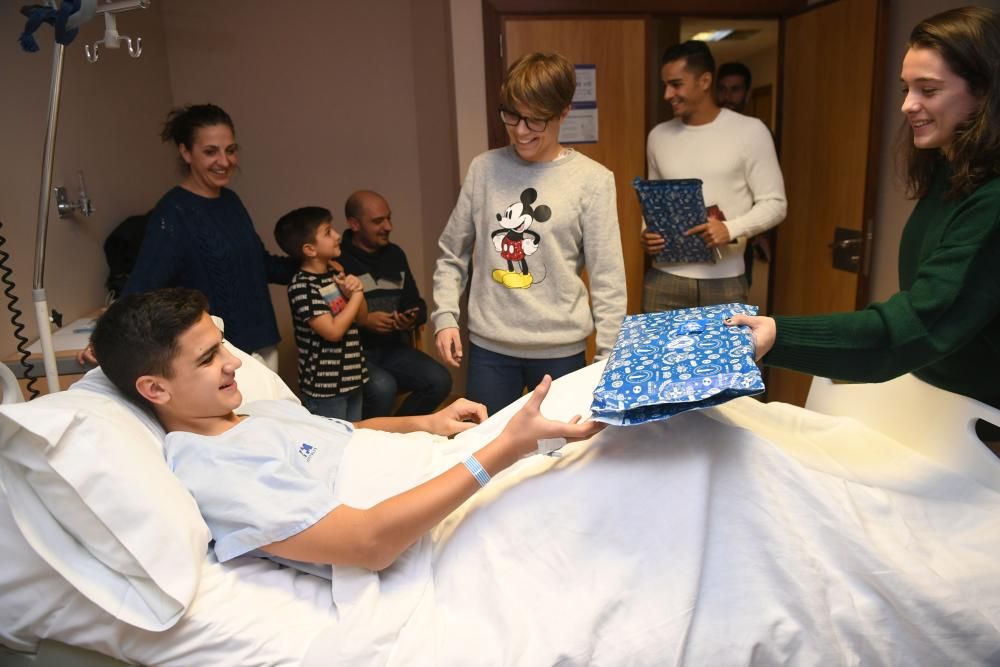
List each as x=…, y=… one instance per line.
x=395, y=369
x=345, y=406
x=497, y=380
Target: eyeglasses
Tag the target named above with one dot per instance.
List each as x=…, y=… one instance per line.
x=512, y=118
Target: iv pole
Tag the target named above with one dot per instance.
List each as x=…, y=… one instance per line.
x=45, y=194
x=44, y=197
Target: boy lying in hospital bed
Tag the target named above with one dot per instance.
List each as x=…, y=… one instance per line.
x=746, y=534
x=263, y=480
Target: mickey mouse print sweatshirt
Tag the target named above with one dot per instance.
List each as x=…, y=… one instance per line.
x=519, y=236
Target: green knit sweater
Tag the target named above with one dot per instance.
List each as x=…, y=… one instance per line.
x=944, y=323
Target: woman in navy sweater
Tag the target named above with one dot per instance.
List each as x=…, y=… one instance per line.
x=201, y=236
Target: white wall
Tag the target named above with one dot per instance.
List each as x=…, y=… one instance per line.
x=470, y=79
x=108, y=127
x=763, y=66
x=328, y=98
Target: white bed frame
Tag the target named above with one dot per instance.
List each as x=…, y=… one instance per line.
x=937, y=423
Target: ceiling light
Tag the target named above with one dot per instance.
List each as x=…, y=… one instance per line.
x=711, y=35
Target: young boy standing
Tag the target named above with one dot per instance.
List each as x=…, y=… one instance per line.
x=264, y=479
x=325, y=307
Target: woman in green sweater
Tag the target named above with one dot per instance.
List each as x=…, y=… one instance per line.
x=944, y=323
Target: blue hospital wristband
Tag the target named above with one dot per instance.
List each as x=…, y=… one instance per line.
x=477, y=470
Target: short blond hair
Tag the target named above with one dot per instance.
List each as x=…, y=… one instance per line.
x=541, y=83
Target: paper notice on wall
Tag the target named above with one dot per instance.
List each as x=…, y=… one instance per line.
x=580, y=126
x=586, y=84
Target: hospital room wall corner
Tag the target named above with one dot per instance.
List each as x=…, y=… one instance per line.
x=108, y=120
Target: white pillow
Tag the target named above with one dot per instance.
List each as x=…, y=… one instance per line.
x=31, y=590
x=89, y=491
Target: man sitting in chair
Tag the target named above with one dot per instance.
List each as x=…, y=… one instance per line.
x=395, y=312
x=264, y=478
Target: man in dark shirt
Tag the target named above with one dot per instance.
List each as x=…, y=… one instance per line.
x=395, y=310
x=732, y=86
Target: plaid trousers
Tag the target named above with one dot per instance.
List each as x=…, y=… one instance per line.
x=665, y=291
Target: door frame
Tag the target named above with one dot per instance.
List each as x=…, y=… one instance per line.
x=792, y=388
x=655, y=11
x=873, y=162
x=659, y=12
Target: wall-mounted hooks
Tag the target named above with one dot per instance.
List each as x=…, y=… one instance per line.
x=66, y=207
x=112, y=39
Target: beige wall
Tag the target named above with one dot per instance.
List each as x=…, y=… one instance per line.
x=328, y=98
x=470, y=79
x=109, y=126
x=763, y=67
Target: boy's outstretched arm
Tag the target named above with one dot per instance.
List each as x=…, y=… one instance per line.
x=375, y=537
x=459, y=416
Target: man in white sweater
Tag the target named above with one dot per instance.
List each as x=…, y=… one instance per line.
x=734, y=157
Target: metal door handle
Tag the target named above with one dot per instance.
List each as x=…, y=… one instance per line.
x=846, y=249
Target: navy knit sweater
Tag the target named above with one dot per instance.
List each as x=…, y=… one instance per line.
x=389, y=286
x=210, y=244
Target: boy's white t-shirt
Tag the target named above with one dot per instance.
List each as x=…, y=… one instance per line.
x=264, y=480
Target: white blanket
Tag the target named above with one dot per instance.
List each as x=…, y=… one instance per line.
x=810, y=540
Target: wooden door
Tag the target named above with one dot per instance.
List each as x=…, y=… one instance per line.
x=829, y=160
x=761, y=105
x=616, y=47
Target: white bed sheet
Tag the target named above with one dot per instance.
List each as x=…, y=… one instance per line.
x=247, y=612
x=811, y=540
x=748, y=534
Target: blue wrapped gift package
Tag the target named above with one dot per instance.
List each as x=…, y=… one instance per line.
x=676, y=360
x=671, y=207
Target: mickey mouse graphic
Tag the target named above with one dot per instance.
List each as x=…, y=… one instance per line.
x=514, y=241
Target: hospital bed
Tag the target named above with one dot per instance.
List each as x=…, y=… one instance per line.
x=747, y=534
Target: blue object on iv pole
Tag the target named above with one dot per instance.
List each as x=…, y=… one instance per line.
x=66, y=30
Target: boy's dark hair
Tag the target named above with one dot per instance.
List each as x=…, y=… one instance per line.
x=297, y=228
x=137, y=335
x=697, y=57
x=739, y=69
